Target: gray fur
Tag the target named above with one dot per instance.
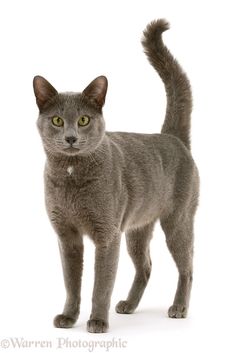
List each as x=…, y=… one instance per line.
x=106, y=183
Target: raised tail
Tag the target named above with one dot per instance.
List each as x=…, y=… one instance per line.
x=177, y=86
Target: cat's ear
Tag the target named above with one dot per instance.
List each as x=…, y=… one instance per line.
x=43, y=91
x=96, y=90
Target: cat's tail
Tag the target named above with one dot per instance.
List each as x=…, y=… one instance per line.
x=178, y=89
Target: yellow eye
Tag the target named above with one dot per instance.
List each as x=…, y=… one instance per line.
x=57, y=121
x=84, y=120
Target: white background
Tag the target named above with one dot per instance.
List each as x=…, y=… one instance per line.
x=70, y=43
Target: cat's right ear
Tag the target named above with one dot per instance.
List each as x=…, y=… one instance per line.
x=43, y=91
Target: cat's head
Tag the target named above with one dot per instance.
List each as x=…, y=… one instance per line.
x=70, y=123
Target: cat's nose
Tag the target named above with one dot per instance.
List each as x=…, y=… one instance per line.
x=71, y=139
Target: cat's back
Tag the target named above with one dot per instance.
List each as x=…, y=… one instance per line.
x=151, y=148
x=153, y=167
x=162, y=160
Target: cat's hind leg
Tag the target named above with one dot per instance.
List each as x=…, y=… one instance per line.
x=179, y=237
x=138, y=247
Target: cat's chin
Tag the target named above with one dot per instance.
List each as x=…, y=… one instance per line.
x=71, y=151
x=75, y=152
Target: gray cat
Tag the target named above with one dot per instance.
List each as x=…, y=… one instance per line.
x=104, y=183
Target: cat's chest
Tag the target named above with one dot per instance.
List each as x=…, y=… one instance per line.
x=70, y=192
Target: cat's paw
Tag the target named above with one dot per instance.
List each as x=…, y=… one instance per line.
x=124, y=307
x=63, y=321
x=97, y=326
x=177, y=311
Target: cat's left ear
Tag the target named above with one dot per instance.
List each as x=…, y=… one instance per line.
x=43, y=91
x=96, y=90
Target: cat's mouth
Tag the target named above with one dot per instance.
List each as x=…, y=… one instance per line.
x=71, y=150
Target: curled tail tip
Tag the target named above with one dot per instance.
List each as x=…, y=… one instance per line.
x=154, y=30
x=158, y=26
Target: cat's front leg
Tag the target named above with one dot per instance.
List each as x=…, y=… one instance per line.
x=71, y=250
x=106, y=260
